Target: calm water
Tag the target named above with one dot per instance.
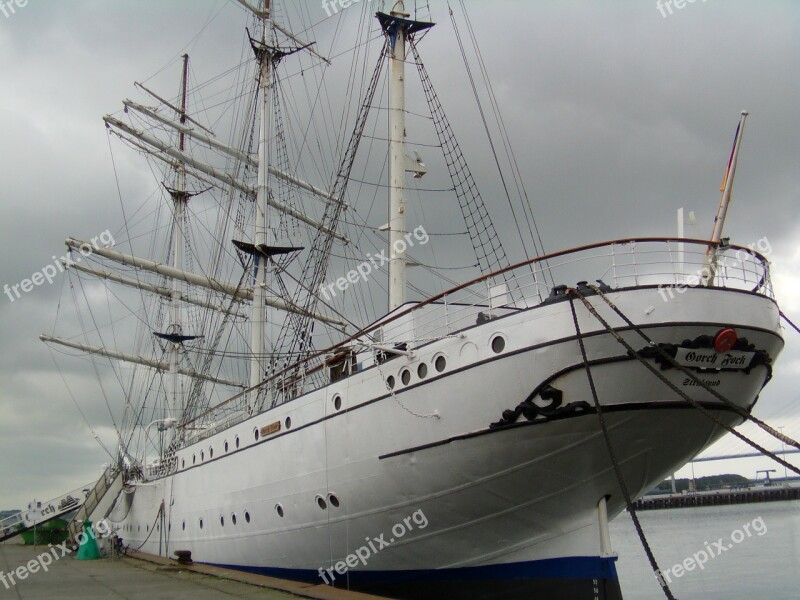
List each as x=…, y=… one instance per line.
x=761, y=567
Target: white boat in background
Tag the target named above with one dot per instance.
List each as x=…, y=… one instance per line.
x=278, y=422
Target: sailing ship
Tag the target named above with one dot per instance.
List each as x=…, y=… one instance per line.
x=469, y=441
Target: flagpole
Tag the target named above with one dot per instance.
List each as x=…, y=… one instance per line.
x=726, y=188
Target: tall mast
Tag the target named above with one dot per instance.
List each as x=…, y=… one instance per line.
x=179, y=198
x=259, y=312
x=397, y=174
x=398, y=27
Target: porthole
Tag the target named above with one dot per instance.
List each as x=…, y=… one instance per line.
x=233, y=518
x=169, y=526
x=194, y=459
x=337, y=402
x=210, y=453
x=498, y=344
x=279, y=510
x=255, y=434
x=405, y=376
x=390, y=382
x=422, y=371
x=333, y=500
x=201, y=523
x=183, y=463
x=226, y=445
x=247, y=516
x=321, y=502
x=288, y=422
x=440, y=363
x=222, y=521
x=183, y=526
x=237, y=441
x=202, y=456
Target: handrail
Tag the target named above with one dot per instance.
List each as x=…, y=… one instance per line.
x=545, y=257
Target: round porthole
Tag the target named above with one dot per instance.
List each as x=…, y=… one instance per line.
x=237, y=441
x=405, y=376
x=498, y=344
x=183, y=463
x=288, y=422
x=337, y=402
x=210, y=453
x=321, y=502
x=333, y=500
x=233, y=518
x=255, y=434
x=422, y=371
x=247, y=516
x=440, y=363
x=183, y=525
x=202, y=456
x=194, y=459
x=201, y=523
x=279, y=510
x=226, y=445
x=222, y=520
x=390, y=382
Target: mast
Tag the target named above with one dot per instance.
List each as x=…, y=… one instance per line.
x=179, y=198
x=258, y=318
x=397, y=174
x=397, y=27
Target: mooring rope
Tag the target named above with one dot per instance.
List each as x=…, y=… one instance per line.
x=680, y=392
x=742, y=412
x=623, y=486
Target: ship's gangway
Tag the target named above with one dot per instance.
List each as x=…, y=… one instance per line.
x=39, y=513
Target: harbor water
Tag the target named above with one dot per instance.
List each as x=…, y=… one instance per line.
x=747, y=551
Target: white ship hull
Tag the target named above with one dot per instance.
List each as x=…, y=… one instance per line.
x=501, y=511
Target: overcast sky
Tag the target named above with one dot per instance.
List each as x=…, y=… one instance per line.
x=619, y=115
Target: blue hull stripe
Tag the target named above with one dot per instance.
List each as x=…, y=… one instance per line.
x=571, y=568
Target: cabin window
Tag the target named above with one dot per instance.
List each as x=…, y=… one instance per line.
x=440, y=363
x=422, y=371
x=498, y=344
x=405, y=376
